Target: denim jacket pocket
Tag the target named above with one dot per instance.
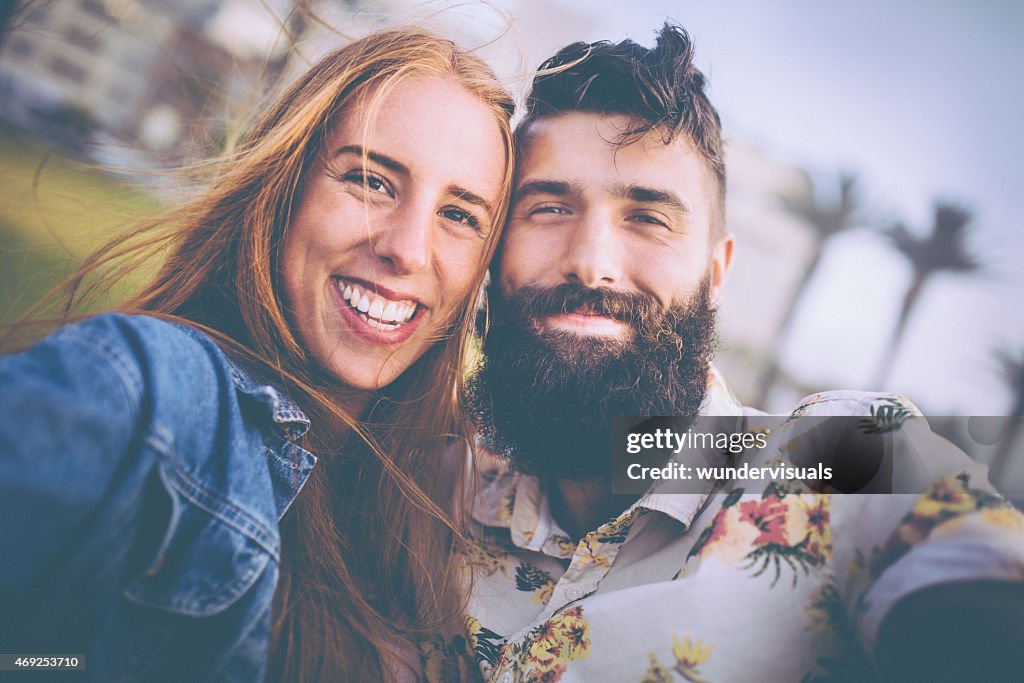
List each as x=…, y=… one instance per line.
x=209, y=556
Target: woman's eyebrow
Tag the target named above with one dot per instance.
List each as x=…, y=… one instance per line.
x=470, y=197
x=382, y=159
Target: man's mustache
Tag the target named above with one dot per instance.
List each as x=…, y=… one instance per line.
x=632, y=308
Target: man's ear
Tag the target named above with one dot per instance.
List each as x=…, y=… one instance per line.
x=721, y=261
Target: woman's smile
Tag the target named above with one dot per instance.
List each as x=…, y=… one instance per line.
x=378, y=314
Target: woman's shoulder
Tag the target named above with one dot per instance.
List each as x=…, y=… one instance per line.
x=134, y=333
x=154, y=369
x=144, y=352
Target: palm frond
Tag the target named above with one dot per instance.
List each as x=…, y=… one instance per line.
x=826, y=219
x=943, y=248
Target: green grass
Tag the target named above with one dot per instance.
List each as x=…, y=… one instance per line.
x=54, y=211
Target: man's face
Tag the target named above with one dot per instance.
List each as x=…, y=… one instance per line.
x=636, y=219
x=603, y=304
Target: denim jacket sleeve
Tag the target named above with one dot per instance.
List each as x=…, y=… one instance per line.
x=69, y=415
x=137, y=512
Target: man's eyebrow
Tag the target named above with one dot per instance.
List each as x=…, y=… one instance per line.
x=382, y=159
x=470, y=197
x=557, y=188
x=650, y=195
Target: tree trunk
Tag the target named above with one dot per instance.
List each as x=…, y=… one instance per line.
x=1001, y=460
x=890, y=351
x=770, y=374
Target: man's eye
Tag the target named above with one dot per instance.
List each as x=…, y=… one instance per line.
x=549, y=209
x=648, y=219
x=461, y=216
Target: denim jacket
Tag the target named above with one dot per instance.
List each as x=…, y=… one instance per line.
x=142, y=479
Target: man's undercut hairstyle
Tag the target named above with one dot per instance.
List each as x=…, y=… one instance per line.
x=658, y=88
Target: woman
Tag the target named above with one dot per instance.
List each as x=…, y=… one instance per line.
x=326, y=276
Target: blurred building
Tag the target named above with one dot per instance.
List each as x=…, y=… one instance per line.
x=136, y=75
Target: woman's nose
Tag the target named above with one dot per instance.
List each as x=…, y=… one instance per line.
x=406, y=243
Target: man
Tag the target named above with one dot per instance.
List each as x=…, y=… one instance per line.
x=603, y=305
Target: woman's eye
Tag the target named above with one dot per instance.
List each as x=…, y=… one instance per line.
x=370, y=181
x=461, y=216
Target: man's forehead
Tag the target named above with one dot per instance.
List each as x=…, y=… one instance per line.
x=585, y=150
x=558, y=133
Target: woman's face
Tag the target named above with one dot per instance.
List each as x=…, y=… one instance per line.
x=391, y=228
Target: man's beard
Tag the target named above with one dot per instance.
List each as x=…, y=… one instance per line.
x=544, y=399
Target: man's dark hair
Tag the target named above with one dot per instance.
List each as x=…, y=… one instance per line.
x=659, y=88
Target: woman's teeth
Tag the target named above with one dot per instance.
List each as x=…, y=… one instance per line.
x=374, y=309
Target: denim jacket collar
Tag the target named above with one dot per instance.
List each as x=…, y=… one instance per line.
x=283, y=410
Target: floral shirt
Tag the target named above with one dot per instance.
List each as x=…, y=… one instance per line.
x=777, y=584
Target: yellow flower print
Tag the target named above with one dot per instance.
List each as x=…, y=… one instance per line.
x=1004, y=518
x=473, y=625
x=484, y=559
x=542, y=596
x=656, y=671
x=595, y=553
x=945, y=501
x=545, y=652
x=819, y=530
x=945, y=498
x=557, y=545
x=689, y=655
x=574, y=633
x=616, y=530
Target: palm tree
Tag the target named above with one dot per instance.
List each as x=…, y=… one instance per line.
x=1013, y=374
x=826, y=219
x=943, y=249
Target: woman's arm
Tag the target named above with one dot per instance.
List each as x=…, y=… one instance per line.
x=70, y=409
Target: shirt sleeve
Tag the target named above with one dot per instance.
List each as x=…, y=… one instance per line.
x=956, y=528
x=70, y=409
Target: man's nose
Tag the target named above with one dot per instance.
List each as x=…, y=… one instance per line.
x=593, y=255
x=405, y=243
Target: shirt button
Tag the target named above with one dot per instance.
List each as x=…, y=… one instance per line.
x=573, y=593
x=506, y=677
